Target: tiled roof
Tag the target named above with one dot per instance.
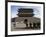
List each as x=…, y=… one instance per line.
x=30, y=19
x=26, y=10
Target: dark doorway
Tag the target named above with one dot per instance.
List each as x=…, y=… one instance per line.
x=26, y=22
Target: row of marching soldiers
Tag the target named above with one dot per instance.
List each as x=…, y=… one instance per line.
x=34, y=25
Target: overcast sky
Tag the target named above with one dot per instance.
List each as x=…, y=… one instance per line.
x=14, y=10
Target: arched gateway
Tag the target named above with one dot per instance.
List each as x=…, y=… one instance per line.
x=25, y=19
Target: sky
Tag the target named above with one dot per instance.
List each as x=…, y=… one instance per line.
x=14, y=10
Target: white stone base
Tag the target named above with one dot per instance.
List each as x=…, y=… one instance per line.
x=20, y=24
